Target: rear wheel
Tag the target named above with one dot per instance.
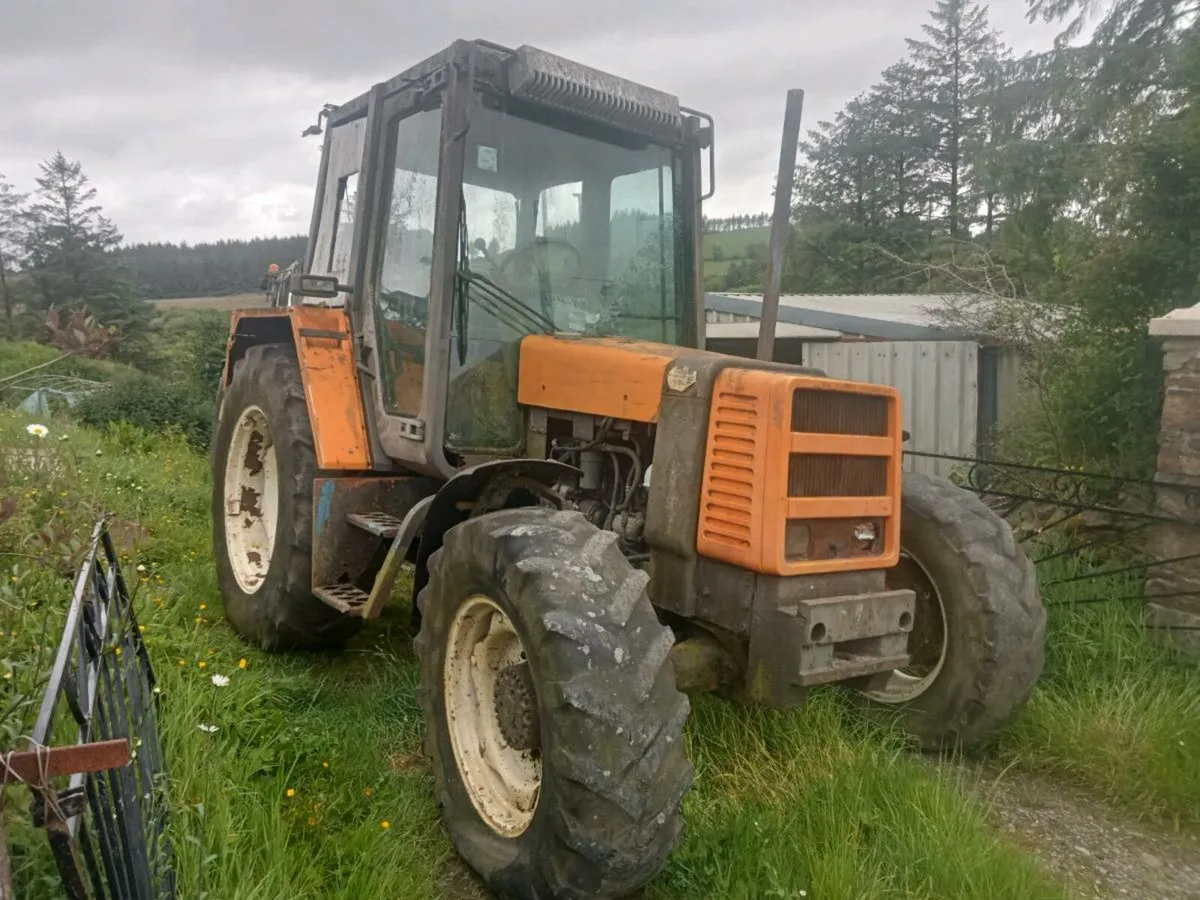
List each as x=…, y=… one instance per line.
x=977, y=642
x=263, y=466
x=552, y=719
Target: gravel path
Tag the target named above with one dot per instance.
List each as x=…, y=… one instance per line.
x=1096, y=850
x=1099, y=853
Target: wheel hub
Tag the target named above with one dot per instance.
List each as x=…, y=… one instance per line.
x=516, y=708
x=927, y=643
x=251, y=489
x=491, y=715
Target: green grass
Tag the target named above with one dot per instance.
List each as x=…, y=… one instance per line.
x=314, y=752
x=1112, y=712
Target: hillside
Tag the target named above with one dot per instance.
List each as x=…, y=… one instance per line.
x=723, y=250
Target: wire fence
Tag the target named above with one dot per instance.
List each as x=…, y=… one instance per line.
x=1125, y=529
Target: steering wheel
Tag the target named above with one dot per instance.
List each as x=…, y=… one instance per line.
x=538, y=243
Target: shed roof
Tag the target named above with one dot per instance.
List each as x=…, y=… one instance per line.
x=782, y=330
x=887, y=316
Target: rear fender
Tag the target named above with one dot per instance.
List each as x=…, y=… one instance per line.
x=321, y=337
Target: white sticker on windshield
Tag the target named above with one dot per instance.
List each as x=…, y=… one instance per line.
x=487, y=159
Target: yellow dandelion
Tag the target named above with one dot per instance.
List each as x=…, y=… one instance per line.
x=324, y=764
x=117, y=650
x=367, y=792
x=242, y=663
x=291, y=792
x=201, y=664
x=142, y=628
x=385, y=824
x=204, y=606
x=183, y=662
x=312, y=820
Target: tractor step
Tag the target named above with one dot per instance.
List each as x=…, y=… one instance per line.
x=345, y=598
x=376, y=523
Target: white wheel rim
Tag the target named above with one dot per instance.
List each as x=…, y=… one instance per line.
x=901, y=686
x=251, y=492
x=502, y=782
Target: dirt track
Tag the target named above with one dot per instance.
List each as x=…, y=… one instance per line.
x=1096, y=850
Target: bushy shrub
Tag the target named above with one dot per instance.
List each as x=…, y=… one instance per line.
x=193, y=342
x=152, y=405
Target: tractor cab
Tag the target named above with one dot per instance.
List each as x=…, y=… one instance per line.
x=507, y=193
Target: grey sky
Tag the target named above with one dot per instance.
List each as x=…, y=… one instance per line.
x=187, y=114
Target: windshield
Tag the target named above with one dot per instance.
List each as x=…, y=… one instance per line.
x=574, y=226
x=561, y=231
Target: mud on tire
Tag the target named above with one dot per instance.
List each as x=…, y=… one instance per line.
x=280, y=613
x=994, y=621
x=614, y=770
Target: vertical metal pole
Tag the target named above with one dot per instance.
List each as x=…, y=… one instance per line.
x=780, y=223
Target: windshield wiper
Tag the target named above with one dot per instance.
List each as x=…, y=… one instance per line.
x=505, y=306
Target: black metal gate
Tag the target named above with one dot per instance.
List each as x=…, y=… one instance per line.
x=107, y=823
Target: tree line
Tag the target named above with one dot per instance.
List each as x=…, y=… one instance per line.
x=1058, y=190
x=744, y=222
x=163, y=270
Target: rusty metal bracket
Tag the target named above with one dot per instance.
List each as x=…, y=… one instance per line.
x=410, y=527
x=33, y=767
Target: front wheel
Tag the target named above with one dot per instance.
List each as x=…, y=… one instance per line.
x=977, y=644
x=553, y=723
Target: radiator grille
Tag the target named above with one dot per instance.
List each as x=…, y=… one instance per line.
x=824, y=475
x=729, y=498
x=831, y=412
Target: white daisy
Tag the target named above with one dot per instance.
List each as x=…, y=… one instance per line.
x=220, y=680
x=38, y=431
x=207, y=729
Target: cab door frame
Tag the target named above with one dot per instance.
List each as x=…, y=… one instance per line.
x=414, y=443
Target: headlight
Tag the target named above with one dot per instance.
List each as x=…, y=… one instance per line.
x=864, y=532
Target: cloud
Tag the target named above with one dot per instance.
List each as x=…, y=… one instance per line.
x=187, y=115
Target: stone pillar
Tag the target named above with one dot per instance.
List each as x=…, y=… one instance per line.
x=1176, y=619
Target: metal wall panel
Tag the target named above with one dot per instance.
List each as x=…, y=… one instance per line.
x=938, y=383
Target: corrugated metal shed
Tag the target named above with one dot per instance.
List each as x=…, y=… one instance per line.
x=938, y=384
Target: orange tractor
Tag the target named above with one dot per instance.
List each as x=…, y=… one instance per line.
x=490, y=368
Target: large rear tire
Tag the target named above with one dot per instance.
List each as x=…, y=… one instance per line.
x=978, y=634
x=263, y=466
x=552, y=719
